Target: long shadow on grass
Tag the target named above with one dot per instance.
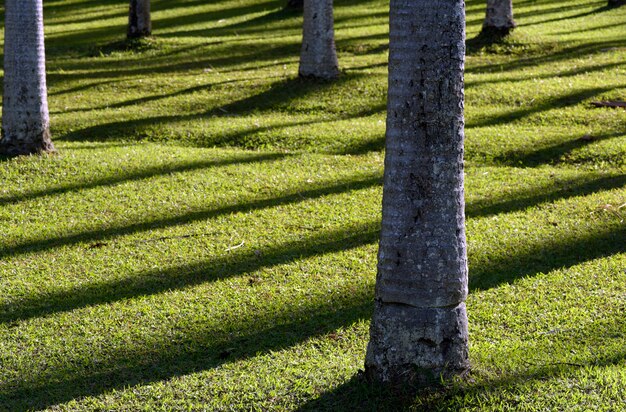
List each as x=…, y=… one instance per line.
x=258, y=24
x=619, y=24
x=103, y=235
x=561, y=74
x=542, y=256
x=563, y=189
x=545, y=256
x=183, y=358
x=279, y=96
x=558, y=9
x=551, y=154
x=519, y=201
x=205, y=351
x=147, y=99
x=566, y=53
x=146, y=173
x=570, y=99
x=225, y=57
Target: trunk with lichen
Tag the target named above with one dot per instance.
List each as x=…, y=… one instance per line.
x=499, y=18
x=139, y=24
x=419, y=327
x=318, y=58
x=25, y=119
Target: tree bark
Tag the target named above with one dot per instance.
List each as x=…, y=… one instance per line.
x=25, y=118
x=499, y=18
x=419, y=328
x=318, y=58
x=139, y=24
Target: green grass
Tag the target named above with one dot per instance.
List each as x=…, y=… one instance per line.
x=206, y=236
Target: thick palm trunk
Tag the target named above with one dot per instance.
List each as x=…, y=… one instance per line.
x=139, y=24
x=499, y=18
x=419, y=327
x=25, y=119
x=318, y=57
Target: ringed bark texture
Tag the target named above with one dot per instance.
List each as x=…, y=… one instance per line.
x=25, y=119
x=419, y=328
x=318, y=57
x=139, y=24
x=499, y=18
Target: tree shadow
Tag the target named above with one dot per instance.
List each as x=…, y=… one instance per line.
x=561, y=74
x=552, y=154
x=591, y=29
x=566, y=100
x=101, y=237
x=377, y=144
x=164, y=63
x=358, y=394
x=545, y=256
x=196, y=353
x=278, y=96
x=529, y=198
x=560, y=9
x=560, y=53
x=147, y=99
x=146, y=173
x=253, y=25
x=541, y=256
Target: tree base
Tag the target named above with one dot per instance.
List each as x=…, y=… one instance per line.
x=495, y=34
x=319, y=75
x=417, y=346
x=488, y=36
x=138, y=34
x=14, y=149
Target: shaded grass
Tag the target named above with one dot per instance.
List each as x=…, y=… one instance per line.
x=205, y=238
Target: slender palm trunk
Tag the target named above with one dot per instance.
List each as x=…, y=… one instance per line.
x=139, y=24
x=419, y=327
x=499, y=18
x=25, y=119
x=318, y=57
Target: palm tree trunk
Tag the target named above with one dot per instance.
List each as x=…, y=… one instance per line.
x=25, y=119
x=139, y=24
x=419, y=327
x=318, y=57
x=499, y=18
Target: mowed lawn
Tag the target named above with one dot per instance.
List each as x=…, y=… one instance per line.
x=205, y=238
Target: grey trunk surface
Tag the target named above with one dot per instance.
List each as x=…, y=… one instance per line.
x=419, y=327
x=25, y=119
x=318, y=57
x=139, y=24
x=499, y=16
